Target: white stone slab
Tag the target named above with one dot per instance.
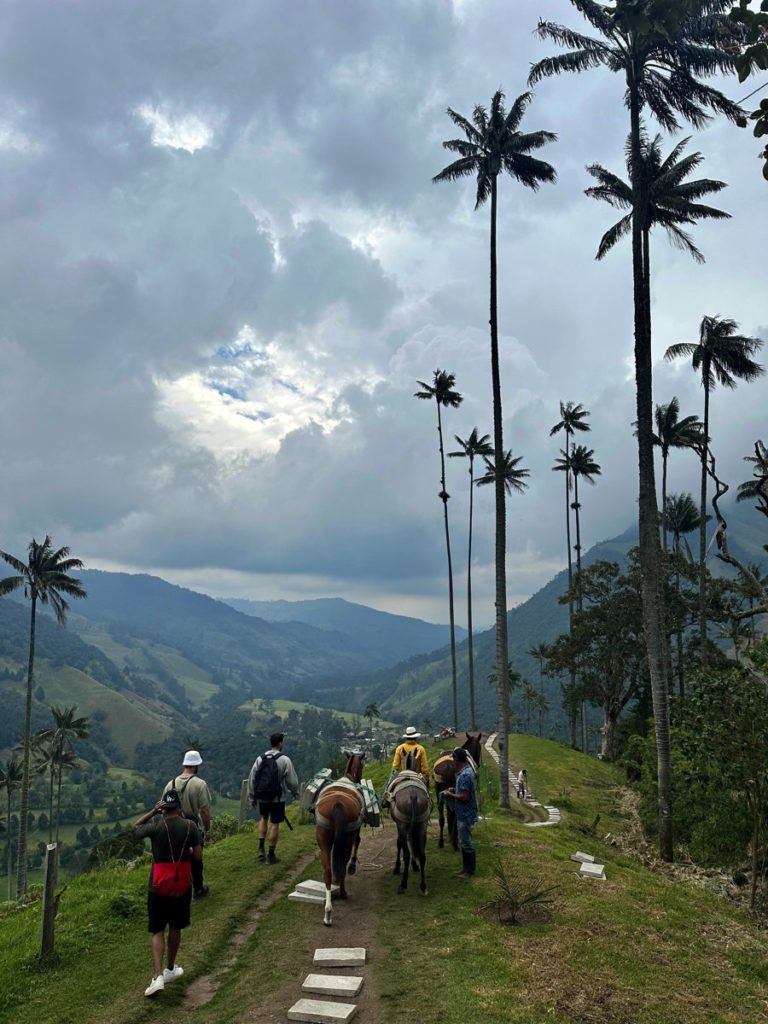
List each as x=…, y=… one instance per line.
x=315, y=888
x=340, y=957
x=332, y=985
x=583, y=858
x=593, y=871
x=317, y=1011
x=306, y=897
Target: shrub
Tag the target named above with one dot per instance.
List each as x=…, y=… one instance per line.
x=223, y=825
x=514, y=893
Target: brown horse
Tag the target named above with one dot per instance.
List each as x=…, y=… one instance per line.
x=338, y=816
x=444, y=775
x=410, y=807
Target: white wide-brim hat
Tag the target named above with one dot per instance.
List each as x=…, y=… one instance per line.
x=192, y=757
x=411, y=734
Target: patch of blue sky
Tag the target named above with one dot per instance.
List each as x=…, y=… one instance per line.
x=257, y=417
x=228, y=392
x=229, y=352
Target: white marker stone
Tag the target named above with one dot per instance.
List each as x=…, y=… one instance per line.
x=306, y=897
x=593, y=871
x=332, y=985
x=315, y=888
x=583, y=858
x=317, y=1011
x=340, y=957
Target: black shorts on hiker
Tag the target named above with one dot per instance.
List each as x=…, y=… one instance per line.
x=168, y=910
x=273, y=812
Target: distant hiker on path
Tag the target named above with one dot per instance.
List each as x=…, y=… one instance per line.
x=465, y=802
x=272, y=776
x=522, y=783
x=411, y=755
x=170, y=882
x=196, y=805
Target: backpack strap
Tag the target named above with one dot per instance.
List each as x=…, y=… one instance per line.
x=170, y=843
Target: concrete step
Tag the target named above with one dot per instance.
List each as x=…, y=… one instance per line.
x=332, y=985
x=317, y=1011
x=315, y=888
x=340, y=957
x=305, y=897
x=593, y=871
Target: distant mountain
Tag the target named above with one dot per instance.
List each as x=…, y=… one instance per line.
x=379, y=637
x=421, y=687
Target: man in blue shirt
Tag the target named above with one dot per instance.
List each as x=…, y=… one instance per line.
x=465, y=804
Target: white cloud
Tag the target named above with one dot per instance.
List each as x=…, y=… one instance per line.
x=177, y=130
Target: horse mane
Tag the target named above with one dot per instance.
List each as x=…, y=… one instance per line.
x=355, y=761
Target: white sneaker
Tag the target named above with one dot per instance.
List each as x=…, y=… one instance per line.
x=156, y=985
x=172, y=973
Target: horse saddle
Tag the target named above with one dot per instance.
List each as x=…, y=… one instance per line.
x=405, y=780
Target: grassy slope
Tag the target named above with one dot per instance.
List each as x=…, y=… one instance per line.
x=636, y=949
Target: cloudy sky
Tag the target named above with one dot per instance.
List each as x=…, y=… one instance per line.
x=225, y=267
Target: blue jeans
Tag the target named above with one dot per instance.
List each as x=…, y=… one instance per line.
x=465, y=836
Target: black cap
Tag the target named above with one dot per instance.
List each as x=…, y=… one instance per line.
x=459, y=754
x=171, y=800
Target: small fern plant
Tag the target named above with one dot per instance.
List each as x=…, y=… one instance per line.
x=514, y=893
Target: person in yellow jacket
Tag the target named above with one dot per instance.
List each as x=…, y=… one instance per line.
x=412, y=755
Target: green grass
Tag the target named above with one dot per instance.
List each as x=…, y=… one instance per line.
x=637, y=949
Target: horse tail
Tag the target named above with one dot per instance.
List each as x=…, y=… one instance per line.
x=412, y=827
x=340, y=819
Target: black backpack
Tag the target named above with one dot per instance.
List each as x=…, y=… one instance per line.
x=266, y=781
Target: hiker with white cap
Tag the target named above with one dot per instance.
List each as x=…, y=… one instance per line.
x=411, y=756
x=196, y=805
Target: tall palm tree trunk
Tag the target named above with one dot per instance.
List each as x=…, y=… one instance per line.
x=571, y=669
x=21, y=849
x=650, y=548
x=58, y=803
x=9, y=850
x=473, y=723
x=584, y=738
x=502, y=648
x=703, y=529
x=444, y=496
x=50, y=805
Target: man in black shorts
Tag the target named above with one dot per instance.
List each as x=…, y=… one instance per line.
x=172, y=837
x=267, y=789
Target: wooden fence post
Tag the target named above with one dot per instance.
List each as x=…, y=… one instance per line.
x=243, y=800
x=301, y=818
x=50, y=903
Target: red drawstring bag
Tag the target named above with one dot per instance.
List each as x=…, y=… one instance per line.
x=174, y=877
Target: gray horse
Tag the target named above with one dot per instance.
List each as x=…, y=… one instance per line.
x=410, y=807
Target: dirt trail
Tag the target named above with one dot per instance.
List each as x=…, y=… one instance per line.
x=354, y=924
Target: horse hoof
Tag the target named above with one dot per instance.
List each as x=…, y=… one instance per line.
x=396, y=871
x=352, y=869
x=423, y=892
x=327, y=924
x=440, y=845
x=400, y=890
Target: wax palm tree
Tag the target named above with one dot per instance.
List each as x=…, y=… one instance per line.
x=572, y=419
x=371, y=712
x=662, y=50
x=513, y=479
x=45, y=578
x=473, y=447
x=443, y=391
x=673, y=432
x=66, y=728
x=580, y=463
x=725, y=357
x=45, y=762
x=681, y=516
x=11, y=773
x=541, y=651
x=493, y=145
x=756, y=489
x=670, y=199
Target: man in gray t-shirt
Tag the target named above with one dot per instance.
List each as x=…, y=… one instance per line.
x=195, y=804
